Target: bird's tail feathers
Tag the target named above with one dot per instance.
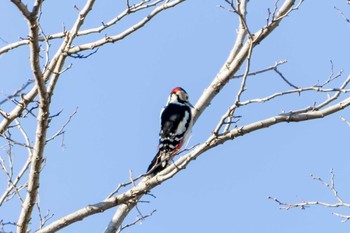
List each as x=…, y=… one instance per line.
x=157, y=164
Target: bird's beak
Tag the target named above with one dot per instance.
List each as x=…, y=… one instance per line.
x=190, y=105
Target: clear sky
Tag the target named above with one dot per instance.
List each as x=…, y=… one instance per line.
x=120, y=90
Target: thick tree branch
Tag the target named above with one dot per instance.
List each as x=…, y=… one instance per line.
x=39, y=145
x=120, y=215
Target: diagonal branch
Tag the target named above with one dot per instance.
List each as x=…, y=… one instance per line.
x=130, y=30
x=234, y=61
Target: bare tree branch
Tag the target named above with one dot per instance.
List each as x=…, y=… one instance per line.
x=130, y=30
x=337, y=91
x=43, y=218
x=61, y=130
x=139, y=219
x=14, y=182
x=17, y=92
x=274, y=67
x=120, y=215
x=331, y=186
x=142, y=5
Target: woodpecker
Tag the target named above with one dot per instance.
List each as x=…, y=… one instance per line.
x=176, y=122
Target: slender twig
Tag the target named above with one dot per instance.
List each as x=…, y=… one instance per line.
x=15, y=182
x=138, y=219
x=338, y=92
x=61, y=130
x=16, y=142
x=131, y=179
x=342, y=14
x=43, y=218
x=345, y=120
x=11, y=187
x=285, y=79
x=231, y=112
x=270, y=68
x=17, y=92
x=294, y=91
x=124, y=185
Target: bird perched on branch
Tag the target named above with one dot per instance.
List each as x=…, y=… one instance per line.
x=176, y=122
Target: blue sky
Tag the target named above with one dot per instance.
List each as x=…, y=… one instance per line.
x=120, y=90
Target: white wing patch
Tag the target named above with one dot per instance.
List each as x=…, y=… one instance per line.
x=182, y=125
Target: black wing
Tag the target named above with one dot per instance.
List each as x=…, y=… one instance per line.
x=170, y=119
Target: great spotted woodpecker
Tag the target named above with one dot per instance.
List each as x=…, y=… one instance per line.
x=176, y=123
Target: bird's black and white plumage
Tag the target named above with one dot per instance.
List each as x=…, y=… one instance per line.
x=176, y=123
